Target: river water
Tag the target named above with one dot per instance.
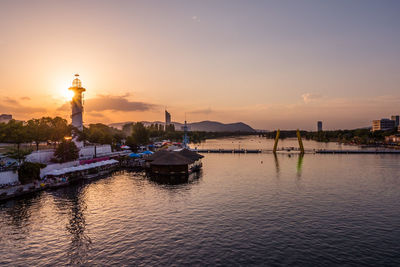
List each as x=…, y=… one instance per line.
x=242, y=209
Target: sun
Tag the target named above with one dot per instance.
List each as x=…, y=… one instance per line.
x=61, y=85
x=68, y=94
x=65, y=94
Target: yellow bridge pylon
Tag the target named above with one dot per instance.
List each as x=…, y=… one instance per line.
x=300, y=142
x=278, y=132
x=276, y=140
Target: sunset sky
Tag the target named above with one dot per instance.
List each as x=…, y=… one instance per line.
x=271, y=64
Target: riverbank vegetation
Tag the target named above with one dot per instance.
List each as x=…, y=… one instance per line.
x=356, y=136
x=29, y=172
x=48, y=132
x=66, y=151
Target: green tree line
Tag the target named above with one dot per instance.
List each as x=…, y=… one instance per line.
x=356, y=136
x=53, y=131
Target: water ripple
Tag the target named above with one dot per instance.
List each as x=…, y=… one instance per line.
x=340, y=210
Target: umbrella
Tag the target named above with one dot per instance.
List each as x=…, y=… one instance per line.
x=134, y=155
x=147, y=152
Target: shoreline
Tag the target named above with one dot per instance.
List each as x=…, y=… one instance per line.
x=31, y=188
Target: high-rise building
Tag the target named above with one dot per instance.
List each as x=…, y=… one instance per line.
x=396, y=119
x=167, y=118
x=319, y=126
x=383, y=125
x=77, y=106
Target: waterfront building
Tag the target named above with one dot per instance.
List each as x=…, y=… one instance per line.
x=166, y=162
x=190, y=154
x=396, y=119
x=5, y=118
x=170, y=164
x=383, y=125
x=77, y=106
x=393, y=139
x=319, y=126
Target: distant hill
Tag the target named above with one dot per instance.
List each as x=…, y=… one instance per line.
x=206, y=126
x=214, y=126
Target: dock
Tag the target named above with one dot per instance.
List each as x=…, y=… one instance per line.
x=242, y=151
x=337, y=151
x=296, y=151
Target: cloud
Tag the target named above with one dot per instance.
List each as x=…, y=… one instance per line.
x=10, y=101
x=11, y=105
x=116, y=103
x=196, y=19
x=112, y=103
x=202, y=111
x=310, y=97
x=97, y=115
x=25, y=98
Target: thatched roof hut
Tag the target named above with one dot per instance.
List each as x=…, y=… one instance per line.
x=173, y=162
x=190, y=154
x=156, y=155
x=171, y=159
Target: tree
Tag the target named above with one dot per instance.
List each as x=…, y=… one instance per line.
x=140, y=135
x=170, y=128
x=38, y=130
x=16, y=133
x=118, y=136
x=58, y=128
x=100, y=134
x=3, y=127
x=66, y=151
x=127, y=129
x=29, y=172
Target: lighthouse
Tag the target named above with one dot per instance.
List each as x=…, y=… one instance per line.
x=77, y=106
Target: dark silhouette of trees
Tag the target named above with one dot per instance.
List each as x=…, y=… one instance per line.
x=140, y=136
x=15, y=132
x=66, y=151
x=39, y=130
x=29, y=172
x=58, y=129
x=101, y=134
x=35, y=130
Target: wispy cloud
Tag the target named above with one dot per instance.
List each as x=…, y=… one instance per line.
x=97, y=115
x=196, y=18
x=113, y=103
x=11, y=105
x=116, y=103
x=310, y=97
x=202, y=111
x=10, y=101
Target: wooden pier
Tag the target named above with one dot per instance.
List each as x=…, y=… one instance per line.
x=297, y=151
x=242, y=151
x=333, y=151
